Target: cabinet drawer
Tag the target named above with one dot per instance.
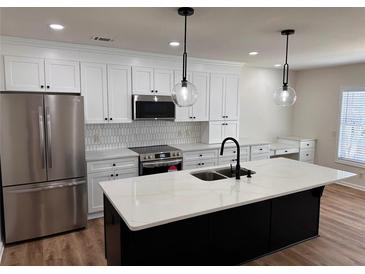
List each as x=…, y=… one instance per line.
x=286, y=151
x=198, y=164
x=261, y=156
x=307, y=144
x=124, y=173
x=260, y=149
x=110, y=165
x=202, y=154
x=307, y=155
x=232, y=151
x=232, y=160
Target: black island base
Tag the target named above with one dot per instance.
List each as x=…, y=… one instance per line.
x=228, y=237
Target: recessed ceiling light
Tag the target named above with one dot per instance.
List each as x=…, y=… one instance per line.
x=56, y=26
x=252, y=53
x=277, y=65
x=174, y=44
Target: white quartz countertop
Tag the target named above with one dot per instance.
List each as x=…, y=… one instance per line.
x=109, y=154
x=279, y=146
x=153, y=200
x=297, y=138
x=201, y=146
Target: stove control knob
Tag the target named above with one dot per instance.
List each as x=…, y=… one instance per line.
x=145, y=157
x=173, y=154
x=149, y=157
x=177, y=153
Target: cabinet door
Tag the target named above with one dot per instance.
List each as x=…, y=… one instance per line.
x=216, y=97
x=119, y=94
x=230, y=129
x=142, y=80
x=216, y=132
x=95, y=193
x=94, y=90
x=163, y=81
x=231, y=98
x=201, y=107
x=62, y=76
x=24, y=74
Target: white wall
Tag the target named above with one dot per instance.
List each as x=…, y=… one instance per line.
x=317, y=109
x=259, y=116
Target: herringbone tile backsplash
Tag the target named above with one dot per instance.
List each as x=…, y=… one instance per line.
x=140, y=133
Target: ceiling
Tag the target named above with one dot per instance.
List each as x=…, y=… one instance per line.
x=324, y=36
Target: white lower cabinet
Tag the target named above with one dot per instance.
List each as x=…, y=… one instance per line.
x=216, y=132
x=201, y=158
x=260, y=152
x=108, y=170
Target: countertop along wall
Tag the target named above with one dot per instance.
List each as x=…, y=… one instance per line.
x=259, y=116
x=317, y=110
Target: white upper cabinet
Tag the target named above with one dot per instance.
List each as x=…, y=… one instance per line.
x=37, y=74
x=163, y=81
x=201, y=107
x=119, y=94
x=231, y=104
x=216, y=96
x=142, y=81
x=24, y=74
x=94, y=90
x=62, y=76
x=200, y=110
x=155, y=81
x=224, y=97
x=107, y=93
x=215, y=132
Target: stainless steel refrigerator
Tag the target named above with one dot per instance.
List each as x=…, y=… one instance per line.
x=42, y=155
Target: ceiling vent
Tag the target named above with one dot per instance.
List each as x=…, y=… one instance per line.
x=101, y=38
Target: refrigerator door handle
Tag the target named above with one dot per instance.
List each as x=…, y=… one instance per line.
x=56, y=186
x=49, y=138
x=41, y=135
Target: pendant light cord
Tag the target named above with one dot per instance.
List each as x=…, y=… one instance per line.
x=185, y=55
x=286, y=65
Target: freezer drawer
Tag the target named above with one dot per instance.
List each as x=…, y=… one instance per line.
x=42, y=209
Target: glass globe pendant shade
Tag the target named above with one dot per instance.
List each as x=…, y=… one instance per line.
x=184, y=94
x=285, y=96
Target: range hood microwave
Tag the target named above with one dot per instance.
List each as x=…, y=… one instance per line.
x=153, y=107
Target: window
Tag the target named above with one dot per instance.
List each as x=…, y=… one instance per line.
x=351, y=143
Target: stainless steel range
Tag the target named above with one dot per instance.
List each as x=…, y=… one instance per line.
x=158, y=159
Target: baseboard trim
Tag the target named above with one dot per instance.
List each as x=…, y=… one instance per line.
x=1, y=251
x=96, y=215
x=355, y=186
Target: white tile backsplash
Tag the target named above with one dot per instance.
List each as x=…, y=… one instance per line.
x=140, y=133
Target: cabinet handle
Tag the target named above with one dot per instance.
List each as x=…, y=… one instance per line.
x=260, y=148
x=47, y=86
x=286, y=151
x=234, y=151
x=111, y=175
x=110, y=119
x=199, y=164
x=191, y=117
x=116, y=174
x=105, y=119
x=307, y=145
x=202, y=164
x=42, y=86
x=156, y=91
x=307, y=155
x=152, y=91
x=194, y=117
x=113, y=164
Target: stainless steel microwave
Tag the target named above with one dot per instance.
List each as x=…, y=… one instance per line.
x=153, y=107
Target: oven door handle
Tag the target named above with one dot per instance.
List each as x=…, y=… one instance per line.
x=162, y=163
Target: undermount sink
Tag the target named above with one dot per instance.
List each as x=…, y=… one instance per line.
x=232, y=172
x=208, y=176
x=219, y=174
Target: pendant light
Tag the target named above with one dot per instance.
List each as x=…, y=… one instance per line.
x=285, y=95
x=184, y=93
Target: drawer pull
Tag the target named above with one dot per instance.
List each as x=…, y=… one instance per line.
x=111, y=175
x=201, y=155
x=307, y=155
x=202, y=164
x=286, y=151
x=260, y=148
x=116, y=174
x=113, y=164
x=307, y=145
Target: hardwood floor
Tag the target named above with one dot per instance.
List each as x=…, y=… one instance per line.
x=342, y=241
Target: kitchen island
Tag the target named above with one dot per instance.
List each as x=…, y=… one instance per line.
x=178, y=219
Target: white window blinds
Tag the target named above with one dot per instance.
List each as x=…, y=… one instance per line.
x=351, y=145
